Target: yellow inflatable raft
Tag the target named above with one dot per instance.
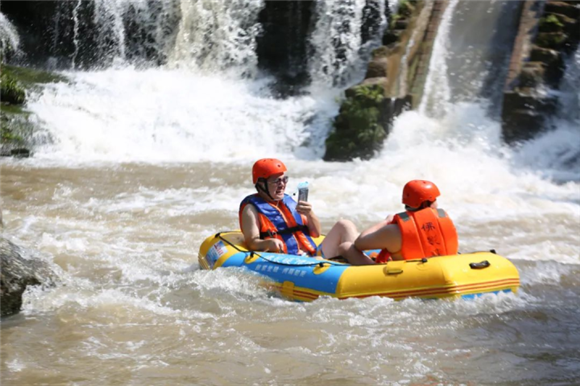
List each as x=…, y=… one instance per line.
x=305, y=279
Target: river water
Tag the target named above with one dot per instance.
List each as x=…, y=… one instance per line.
x=138, y=167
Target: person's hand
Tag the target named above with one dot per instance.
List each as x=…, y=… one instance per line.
x=274, y=245
x=304, y=207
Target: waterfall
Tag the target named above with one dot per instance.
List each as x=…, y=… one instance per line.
x=217, y=35
x=437, y=93
x=556, y=153
x=109, y=19
x=8, y=35
x=570, y=89
x=76, y=32
x=338, y=51
x=203, y=35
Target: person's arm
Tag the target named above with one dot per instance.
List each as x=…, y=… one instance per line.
x=380, y=236
x=251, y=231
x=305, y=208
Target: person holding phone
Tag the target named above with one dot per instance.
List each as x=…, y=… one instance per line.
x=272, y=221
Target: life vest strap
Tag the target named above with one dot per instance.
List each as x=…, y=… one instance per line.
x=298, y=228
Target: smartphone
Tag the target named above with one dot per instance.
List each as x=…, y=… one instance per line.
x=303, y=191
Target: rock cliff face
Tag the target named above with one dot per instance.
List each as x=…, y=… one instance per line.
x=17, y=273
x=549, y=32
x=398, y=68
x=282, y=48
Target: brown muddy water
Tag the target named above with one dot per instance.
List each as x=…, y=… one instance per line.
x=131, y=306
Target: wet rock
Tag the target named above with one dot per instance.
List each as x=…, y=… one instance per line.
x=556, y=23
x=377, y=68
x=20, y=153
x=527, y=107
x=18, y=272
x=17, y=128
x=533, y=74
x=551, y=40
x=406, y=8
x=359, y=129
x=401, y=24
x=391, y=37
x=563, y=8
x=546, y=55
x=525, y=116
x=367, y=112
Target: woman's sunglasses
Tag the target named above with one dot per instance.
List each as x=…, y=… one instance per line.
x=278, y=181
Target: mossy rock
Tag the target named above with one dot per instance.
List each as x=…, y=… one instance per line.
x=551, y=23
x=551, y=40
x=359, y=132
x=29, y=77
x=377, y=68
x=533, y=74
x=406, y=8
x=11, y=90
x=562, y=8
x=544, y=55
x=381, y=52
x=16, y=127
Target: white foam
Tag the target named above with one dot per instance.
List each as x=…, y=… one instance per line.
x=169, y=115
x=8, y=35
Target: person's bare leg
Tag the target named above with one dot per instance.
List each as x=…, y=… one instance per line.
x=343, y=231
x=353, y=255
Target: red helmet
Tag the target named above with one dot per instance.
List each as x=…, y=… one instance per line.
x=418, y=191
x=267, y=167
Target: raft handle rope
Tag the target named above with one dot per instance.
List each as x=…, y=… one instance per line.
x=480, y=265
x=253, y=253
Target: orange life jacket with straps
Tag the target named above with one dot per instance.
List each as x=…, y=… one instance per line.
x=283, y=222
x=426, y=233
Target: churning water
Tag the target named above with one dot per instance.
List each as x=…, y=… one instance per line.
x=136, y=167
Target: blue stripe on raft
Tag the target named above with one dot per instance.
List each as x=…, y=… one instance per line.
x=473, y=296
x=296, y=269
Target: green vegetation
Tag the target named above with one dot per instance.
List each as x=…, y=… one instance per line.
x=406, y=8
x=552, y=40
x=358, y=129
x=404, y=11
x=30, y=77
x=12, y=129
x=551, y=19
x=11, y=91
x=14, y=119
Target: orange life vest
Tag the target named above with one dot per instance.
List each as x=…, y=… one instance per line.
x=426, y=233
x=282, y=222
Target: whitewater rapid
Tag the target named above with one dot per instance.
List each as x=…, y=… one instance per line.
x=167, y=117
x=134, y=167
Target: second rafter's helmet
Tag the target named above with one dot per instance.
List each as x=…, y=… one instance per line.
x=418, y=191
x=266, y=167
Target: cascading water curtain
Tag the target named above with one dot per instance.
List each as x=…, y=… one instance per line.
x=8, y=36
x=218, y=35
x=437, y=93
x=335, y=42
x=114, y=31
x=339, y=50
x=203, y=34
